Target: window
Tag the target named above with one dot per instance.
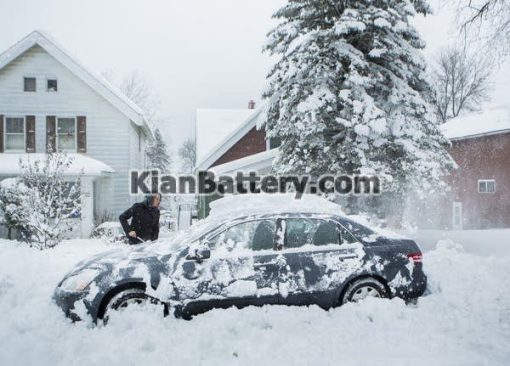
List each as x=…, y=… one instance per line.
x=29, y=84
x=254, y=235
x=14, y=134
x=51, y=85
x=66, y=134
x=273, y=143
x=299, y=232
x=486, y=186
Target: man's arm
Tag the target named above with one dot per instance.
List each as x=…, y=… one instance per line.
x=124, y=217
x=155, y=229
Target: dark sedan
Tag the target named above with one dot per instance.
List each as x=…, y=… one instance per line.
x=290, y=258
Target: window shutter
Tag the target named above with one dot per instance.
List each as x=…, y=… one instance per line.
x=51, y=134
x=82, y=133
x=30, y=133
x=1, y=133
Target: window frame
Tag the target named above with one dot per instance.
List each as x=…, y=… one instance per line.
x=223, y=228
x=47, y=80
x=268, y=144
x=338, y=225
x=485, y=181
x=57, y=135
x=23, y=84
x=6, y=150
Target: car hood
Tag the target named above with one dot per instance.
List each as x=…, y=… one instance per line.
x=125, y=256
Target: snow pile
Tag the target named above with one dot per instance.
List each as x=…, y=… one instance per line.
x=465, y=320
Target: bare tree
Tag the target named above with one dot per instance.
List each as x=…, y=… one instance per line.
x=462, y=83
x=188, y=155
x=487, y=21
x=136, y=88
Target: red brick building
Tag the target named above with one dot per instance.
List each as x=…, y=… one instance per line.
x=480, y=196
x=229, y=141
x=480, y=187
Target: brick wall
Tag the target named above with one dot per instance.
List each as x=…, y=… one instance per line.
x=485, y=157
x=251, y=143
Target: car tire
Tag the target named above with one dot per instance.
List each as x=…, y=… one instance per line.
x=362, y=288
x=130, y=297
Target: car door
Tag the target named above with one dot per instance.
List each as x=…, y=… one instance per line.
x=320, y=255
x=241, y=270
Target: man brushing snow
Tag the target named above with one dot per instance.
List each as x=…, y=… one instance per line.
x=144, y=220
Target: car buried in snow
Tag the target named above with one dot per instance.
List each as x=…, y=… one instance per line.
x=285, y=258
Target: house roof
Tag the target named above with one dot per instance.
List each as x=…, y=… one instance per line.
x=111, y=93
x=80, y=165
x=256, y=162
x=487, y=122
x=217, y=130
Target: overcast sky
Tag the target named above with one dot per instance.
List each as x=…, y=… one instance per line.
x=194, y=54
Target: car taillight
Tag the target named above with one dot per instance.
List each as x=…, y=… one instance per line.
x=415, y=257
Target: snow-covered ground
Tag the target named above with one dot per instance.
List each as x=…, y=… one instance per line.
x=465, y=320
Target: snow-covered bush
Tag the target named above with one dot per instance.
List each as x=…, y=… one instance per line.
x=11, y=200
x=41, y=203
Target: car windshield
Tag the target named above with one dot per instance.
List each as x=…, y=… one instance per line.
x=193, y=233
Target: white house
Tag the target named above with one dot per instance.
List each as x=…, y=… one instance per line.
x=49, y=100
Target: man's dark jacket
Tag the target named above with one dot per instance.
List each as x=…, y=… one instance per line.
x=144, y=220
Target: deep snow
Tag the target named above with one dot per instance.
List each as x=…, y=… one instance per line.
x=465, y=320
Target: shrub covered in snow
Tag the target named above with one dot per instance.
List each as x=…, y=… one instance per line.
x=40, y=203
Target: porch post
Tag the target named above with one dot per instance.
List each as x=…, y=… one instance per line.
x=87, y=206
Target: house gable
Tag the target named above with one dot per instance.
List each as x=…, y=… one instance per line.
x=251, y=143
x=96, y=82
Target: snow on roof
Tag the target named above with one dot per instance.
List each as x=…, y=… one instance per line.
x=111, y=93
x=213, y=129
x=490, y=121
x=81, y=164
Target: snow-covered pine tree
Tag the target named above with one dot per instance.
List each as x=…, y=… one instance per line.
x=348, y=94
x=157, y=154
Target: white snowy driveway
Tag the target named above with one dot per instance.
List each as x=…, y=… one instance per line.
x=464, y=321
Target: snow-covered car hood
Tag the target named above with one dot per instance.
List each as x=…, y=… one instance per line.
x=126, y=255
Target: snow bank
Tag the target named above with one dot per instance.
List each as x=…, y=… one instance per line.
x=465, y=320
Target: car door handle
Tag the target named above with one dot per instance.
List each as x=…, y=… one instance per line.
x=342, y=257
x=260, y=265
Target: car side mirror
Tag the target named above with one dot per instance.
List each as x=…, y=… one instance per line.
x=199, y=253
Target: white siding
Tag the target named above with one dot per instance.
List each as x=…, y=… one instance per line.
x=108, y=131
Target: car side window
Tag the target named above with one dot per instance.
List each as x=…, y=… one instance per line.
x=254, y=235
x=304, y=231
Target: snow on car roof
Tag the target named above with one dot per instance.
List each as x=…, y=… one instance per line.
x=246, y=204
x=489, y=121
x=252, y=204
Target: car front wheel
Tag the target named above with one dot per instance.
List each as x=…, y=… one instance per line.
x=131, y=298
x=363, y=288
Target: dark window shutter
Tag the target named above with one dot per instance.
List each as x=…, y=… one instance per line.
x=51, y=129
x=30, y=133
x=1, y=133
x=82, y=133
